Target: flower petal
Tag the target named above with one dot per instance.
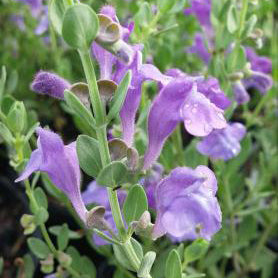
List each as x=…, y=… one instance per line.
x=201, y=116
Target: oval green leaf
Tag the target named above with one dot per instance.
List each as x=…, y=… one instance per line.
x=112, y=175
x=38, y=247
x=119, y=97
x=135, y=204
x=80, y=26
x=88, y=155
x=173, y=265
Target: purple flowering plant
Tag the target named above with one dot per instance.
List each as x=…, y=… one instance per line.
x=157, y=175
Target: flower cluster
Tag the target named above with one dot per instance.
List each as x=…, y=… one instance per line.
x=185, y=200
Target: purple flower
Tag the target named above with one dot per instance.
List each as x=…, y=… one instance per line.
x=258, y=63
x=201, y=9
x=200, y=115
x=210, y=88
x=98, y=195
x=179, y=101
x=43, y=21
x=40, y=12
x=48, y=83
x=150, y=182
x=110, y=11
x=186, y=205
x=164, y=116
x=105, y=60
x=60, y=162
x=200, y=49
x=258, y=80
x=140, y=73
x=261, y=68
x=19, y=21
x=223, y=143
x=240, y=93
x=35, y=6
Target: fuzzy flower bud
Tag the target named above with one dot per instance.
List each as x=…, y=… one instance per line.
x=47, y=83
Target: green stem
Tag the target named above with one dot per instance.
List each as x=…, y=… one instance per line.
x=243, y=14
x=94, y=93
x=177, y=138
x=131, y=255
x=100, y=117
x=116, y=212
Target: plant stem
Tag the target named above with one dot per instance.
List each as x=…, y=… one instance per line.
x=100, y=117
x=131, y=255
x=177, y=139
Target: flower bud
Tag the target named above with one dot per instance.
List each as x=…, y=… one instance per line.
x=143, y=226
x=47, y=265
x=236, y=76
x=240, y=93
x=48, y=83
x=257, y=34
x=17, y=117
x=28, y=223
x=64, y=259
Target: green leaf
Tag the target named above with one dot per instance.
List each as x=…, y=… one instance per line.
x=247, y=230
x=7, y=103
x=76, y=258
x=180, y=250
x=78, y=108
x=173, y=265
x=224, y=10
x=63, y=237
x=120, y=274
x=195, y=250
x=135, y=204
x=88, y=155
x=41, y=215
x=80, y=26
x=112, y=175
x=2, y=82
x=88, y=267
x=232, y=19
x=165, y=5
x=143, y=16
x=6, y=134
x=56, y=230
x=249, y=26
x=29, y=266
x=41, y=197
x=38, y=247
x=119, y=97
x=57, y=10
x=236, y=58
x=121, y=255
x=146, y=264
x=17, y=117
x=1, y=264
